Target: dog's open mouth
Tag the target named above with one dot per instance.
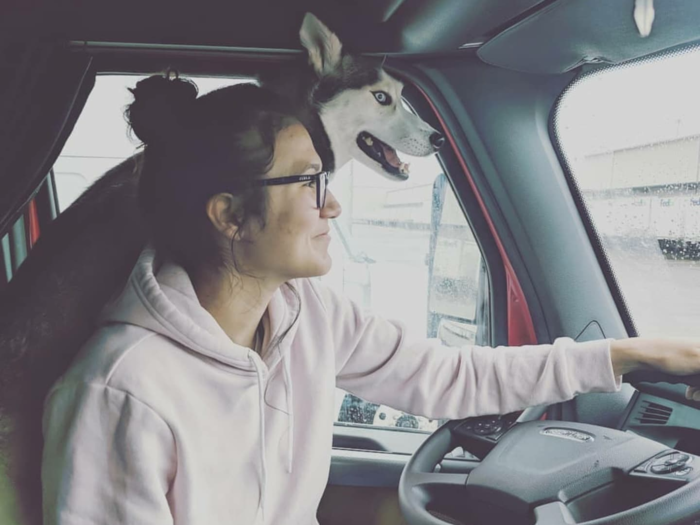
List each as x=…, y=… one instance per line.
x=382, y=153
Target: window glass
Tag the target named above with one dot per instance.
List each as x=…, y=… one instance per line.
x=6, y=260
x=413, y=257
x=402, y=250
x=631, y=138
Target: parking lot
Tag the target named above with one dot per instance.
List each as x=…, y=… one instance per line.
x=663, y=295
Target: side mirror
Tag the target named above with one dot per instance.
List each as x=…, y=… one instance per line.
x=456, y=333
x=457, y=279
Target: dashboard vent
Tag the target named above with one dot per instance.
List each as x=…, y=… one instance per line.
x=653, y=414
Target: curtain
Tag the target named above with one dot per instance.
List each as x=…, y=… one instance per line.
x=42, y=92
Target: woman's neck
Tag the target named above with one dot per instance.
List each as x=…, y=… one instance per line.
x=238, y=304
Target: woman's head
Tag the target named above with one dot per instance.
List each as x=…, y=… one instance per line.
x=200, y=182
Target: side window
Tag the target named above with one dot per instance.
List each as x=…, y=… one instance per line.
x=403, y=250
x=14, y=246
x=18, y=241
x=631, y=138
x=406, y=252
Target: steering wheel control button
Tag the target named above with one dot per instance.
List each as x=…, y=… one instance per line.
x=660, y=469
x=670, y=463
x=488, y=427
x=567, y=433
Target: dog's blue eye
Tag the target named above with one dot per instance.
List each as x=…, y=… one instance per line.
x=382, y=97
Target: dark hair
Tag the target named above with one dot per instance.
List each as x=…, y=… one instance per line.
x=196, y=148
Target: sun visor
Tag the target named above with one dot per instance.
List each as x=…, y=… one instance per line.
x=569, y=33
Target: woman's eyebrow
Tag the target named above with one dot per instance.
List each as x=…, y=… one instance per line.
x=314, y=166
x=301, y=167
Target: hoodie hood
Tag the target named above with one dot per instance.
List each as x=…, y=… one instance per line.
x=160, y=297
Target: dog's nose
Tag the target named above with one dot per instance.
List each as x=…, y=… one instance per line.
x=437, y=140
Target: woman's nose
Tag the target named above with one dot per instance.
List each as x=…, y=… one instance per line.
x=332, y=207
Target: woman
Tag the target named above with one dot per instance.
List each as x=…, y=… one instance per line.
x=207, y=394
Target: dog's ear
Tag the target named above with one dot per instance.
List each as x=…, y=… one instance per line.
x=324, y=47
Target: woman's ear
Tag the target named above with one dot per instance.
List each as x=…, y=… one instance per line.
x=224, y=212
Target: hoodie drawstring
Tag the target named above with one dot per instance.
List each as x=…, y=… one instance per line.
x=263, y=462
x=290, y=416
x=290, y=409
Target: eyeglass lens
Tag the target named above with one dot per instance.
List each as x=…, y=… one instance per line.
x=321, y=191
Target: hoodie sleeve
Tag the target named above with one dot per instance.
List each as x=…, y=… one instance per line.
x=108, y=459
x=376, y=361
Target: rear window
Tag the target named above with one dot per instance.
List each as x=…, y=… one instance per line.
x=631, y=138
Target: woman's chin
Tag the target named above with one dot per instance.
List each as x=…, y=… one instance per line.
x=326, y=266
x=322, y=265
x=317, y=268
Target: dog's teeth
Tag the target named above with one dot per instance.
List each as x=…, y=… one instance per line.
x=369, y=141
x=404, y=167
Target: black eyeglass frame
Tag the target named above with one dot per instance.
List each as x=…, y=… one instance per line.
x=321, y=184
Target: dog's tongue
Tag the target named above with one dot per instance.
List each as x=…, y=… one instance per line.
x=391, y=156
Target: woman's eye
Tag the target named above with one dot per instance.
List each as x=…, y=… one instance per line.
x=311, y=184
x=382, y=97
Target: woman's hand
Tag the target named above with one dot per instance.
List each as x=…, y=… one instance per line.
x=672, y=356
x=693, y=393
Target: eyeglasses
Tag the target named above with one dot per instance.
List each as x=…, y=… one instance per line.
x=320, y=178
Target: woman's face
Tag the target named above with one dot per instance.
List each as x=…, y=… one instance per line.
x=294, y=241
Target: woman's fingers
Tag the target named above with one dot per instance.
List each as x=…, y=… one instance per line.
x=693, y=393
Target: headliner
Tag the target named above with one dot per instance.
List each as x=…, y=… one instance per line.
x=369, y=26
x=533, y=36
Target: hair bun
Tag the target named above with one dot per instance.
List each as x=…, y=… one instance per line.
x=161, y=106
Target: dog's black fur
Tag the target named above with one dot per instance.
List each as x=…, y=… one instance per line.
x=50, y=307
x=49, y=310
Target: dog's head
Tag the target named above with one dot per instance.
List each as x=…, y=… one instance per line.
x=361, y=107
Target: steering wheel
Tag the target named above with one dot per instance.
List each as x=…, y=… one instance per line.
x=549, y=473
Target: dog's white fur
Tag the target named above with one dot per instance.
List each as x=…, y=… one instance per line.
x=354, y=111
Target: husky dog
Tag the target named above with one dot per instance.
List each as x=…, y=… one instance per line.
x=352, y=109
x=359, y=107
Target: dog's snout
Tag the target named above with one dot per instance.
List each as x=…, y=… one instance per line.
x=437, y=140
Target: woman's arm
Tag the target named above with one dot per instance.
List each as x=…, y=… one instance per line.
x=673, y=356
x=108, y=459
x=375, y=361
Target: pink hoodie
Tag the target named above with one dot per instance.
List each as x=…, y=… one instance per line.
x=162, y=419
